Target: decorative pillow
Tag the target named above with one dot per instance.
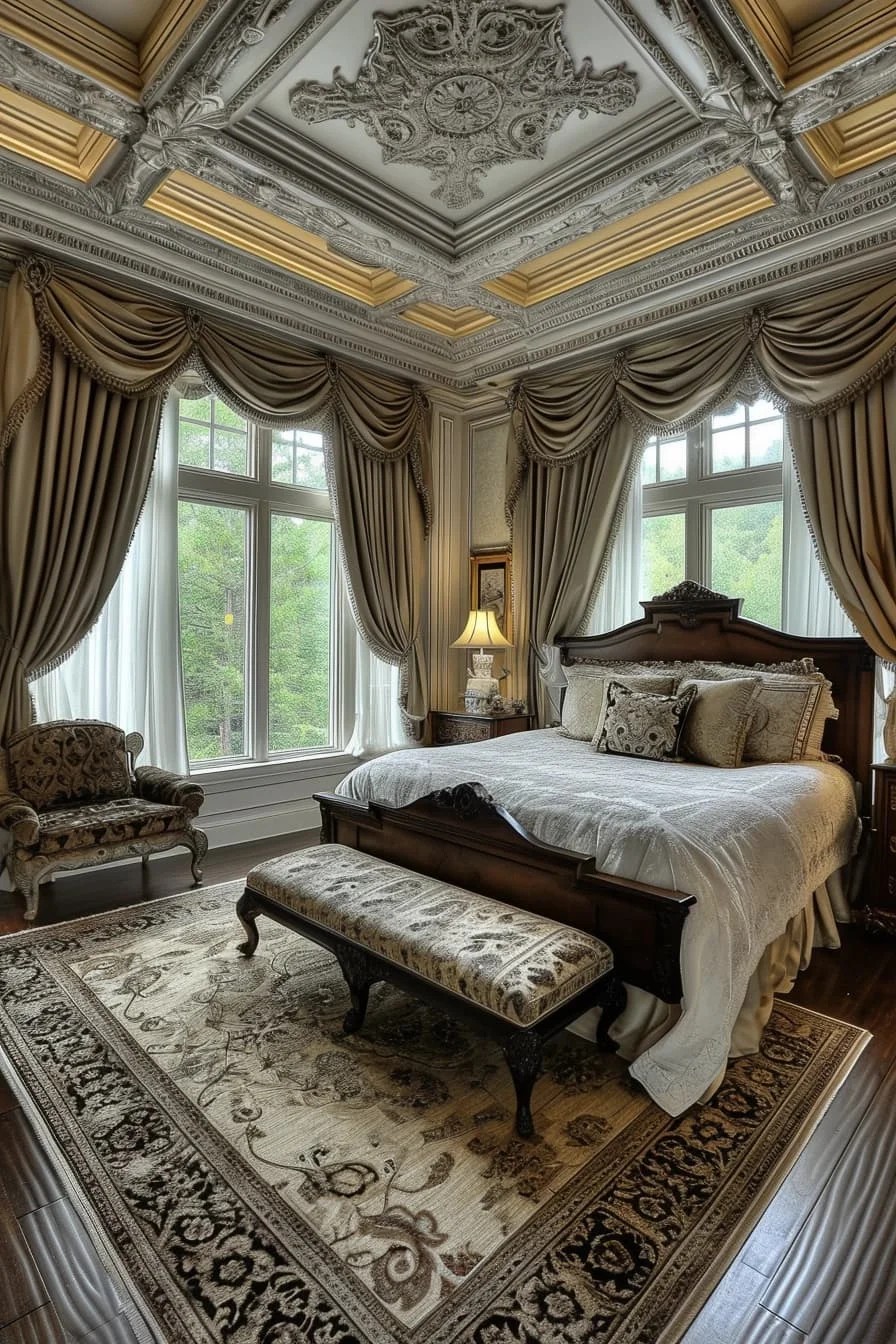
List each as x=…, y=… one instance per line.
x=583, y=703
x=719, y=719
x=826, y=709
x=639, y=724
x=786, y=711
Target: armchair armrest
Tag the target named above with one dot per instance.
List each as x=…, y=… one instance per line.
x=19, y=818
x=162, y=786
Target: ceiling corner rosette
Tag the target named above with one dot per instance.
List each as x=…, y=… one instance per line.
x=460, y=88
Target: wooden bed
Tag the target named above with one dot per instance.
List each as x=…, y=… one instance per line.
x=461, y=836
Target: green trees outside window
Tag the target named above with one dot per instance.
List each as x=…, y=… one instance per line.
x=713, y=510
x=256, y=573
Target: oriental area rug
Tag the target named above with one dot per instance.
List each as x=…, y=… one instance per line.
x=262, y=1179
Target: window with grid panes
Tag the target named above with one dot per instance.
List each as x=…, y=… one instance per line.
x=712, y=508
x=259, y=602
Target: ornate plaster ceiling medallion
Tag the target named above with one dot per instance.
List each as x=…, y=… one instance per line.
x=460, y=88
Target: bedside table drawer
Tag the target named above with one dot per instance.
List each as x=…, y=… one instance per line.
x=452, y=729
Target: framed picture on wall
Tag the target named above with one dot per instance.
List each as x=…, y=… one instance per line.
x=490, y=588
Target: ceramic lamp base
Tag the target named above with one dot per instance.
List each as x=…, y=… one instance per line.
x=479, y=694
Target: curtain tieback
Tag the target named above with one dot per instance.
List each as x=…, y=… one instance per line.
x=37, y=273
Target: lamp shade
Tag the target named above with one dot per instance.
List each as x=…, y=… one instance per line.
x=480, y=632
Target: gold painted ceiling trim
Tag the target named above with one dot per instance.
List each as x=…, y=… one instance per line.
x=229, y=218
x=858, y=138
x=450, y=322
x=76, y=40
x=53, y=138
x=163, y=34
x=84, y=44
x=720, y=200
x=771, y=30
x=806, y=53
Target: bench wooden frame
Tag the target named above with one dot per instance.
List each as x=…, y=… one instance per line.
x=362, y=968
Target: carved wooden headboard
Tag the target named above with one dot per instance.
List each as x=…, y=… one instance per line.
x=691, y=622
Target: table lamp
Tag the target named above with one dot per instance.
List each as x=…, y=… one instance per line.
x=481, y=631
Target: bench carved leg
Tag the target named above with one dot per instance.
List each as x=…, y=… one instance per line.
x=360, y=973
x=522, y=1051
x=613, y=998
x=246, y=909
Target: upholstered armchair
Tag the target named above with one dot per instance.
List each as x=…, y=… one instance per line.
x=71, y=798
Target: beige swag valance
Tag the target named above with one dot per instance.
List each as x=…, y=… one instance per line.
x=826, y=358
x=78, y=354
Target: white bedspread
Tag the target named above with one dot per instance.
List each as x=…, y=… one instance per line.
x=751, y=845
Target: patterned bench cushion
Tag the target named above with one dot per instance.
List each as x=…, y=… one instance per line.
x=515, y=964
x=111, y=823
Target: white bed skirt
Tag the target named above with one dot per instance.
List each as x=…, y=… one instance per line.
x=647, y=1018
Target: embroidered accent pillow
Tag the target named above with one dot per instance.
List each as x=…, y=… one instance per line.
x=640, y=724
x=585, y=698
x=790, y=714
x=719, y=720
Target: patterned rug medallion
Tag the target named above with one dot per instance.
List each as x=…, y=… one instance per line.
x=266, y=1180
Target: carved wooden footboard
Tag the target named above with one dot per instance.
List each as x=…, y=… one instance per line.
x=462, y=836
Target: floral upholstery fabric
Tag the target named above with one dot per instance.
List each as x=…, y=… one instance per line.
x=515, y=964
x=50, y=764
x=109, y=823
x=19, y=819
x=161, y=786
x=643, y=725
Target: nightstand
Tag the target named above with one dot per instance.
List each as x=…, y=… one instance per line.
x=448, y=728
x=879, y=914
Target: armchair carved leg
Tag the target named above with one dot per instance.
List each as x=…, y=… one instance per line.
x=26, y=881
x=196, y=842
x=522, y=1051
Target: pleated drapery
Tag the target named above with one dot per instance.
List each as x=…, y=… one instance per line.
x=74, y=482
x=130, y=346
x=824, y=357
x=850, y=500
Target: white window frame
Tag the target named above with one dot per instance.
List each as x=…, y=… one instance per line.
x=263, y=497
x=702, y=490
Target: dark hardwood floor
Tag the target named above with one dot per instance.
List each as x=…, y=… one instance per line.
x=817, y=1269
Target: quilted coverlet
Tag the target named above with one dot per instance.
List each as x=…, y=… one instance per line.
x=750, y=844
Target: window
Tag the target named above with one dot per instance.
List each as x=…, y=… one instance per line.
x=713, y=508
x=260, y=606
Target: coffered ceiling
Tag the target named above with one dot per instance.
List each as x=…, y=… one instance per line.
x=460, y=189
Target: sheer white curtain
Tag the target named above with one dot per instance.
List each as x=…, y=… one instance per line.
x=127, y=669
x=378, y=726
x=617, y=598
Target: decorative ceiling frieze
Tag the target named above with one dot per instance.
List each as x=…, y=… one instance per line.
x=459, y=88
x=717, y=182
x=39, y=76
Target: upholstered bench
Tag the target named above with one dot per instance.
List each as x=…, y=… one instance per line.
x=517, y=975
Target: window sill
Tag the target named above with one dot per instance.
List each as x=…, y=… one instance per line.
x=223, y=778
